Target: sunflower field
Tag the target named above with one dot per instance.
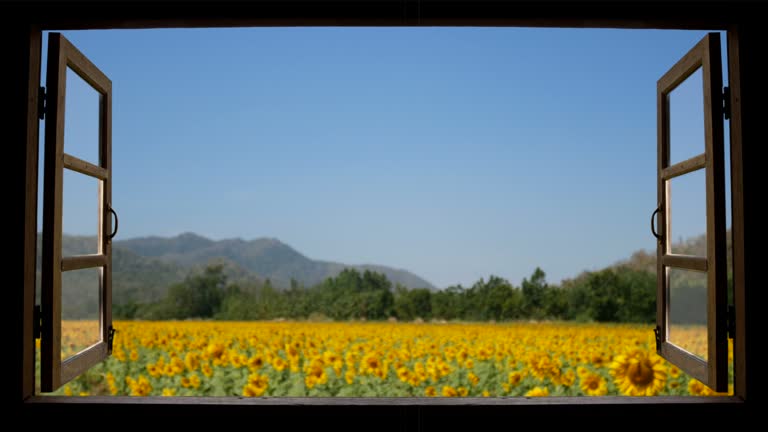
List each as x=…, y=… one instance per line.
x=384, y=359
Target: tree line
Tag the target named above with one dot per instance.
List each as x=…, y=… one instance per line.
x=617, y=294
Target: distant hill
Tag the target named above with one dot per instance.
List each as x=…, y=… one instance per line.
x=689, y=283
x=262, y=257
x=144, y=268
x=135, y=278
x=646, y=260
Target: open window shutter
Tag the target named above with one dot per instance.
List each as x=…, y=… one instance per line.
x=64, y=358
x=694, y=341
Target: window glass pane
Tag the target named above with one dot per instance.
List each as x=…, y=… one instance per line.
x=686, y=119
x=687, y=294
x=687, y=223
x=81, y=119
x=80, y=293
x=80, y=214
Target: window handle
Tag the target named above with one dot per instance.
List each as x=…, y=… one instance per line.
x=653, y=223
x=117, y=223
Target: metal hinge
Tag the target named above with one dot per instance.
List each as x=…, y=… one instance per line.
x=110, y=339
x=37, y=322
x=727, y=103
x=41, y=103
x=731, y=321
x=657, y=332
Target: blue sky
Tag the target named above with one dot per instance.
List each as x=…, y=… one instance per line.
x=455, y=153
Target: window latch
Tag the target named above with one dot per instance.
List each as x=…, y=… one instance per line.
x=110, y=339
x=658, y=236
x=727, y=103
x=41, y=103
x=37, y=318
x=657, y=333
x=731, y=321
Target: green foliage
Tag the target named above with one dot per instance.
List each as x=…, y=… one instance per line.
x=495, y=299
x=157, y=278
x=412, y=304
x=613, y=295
x=447, y=304
x=622, y=293
x=198, y=296
x=534, y=294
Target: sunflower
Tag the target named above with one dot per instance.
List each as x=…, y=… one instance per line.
x=697, y=388
x=140, y=387
x=154, y=372
x=567, y=379
x=252, y=391
x=473, y=379
x=449, y=391
x=639, y=373
x=349, y=377
x=372, y=362
x=256, y=385
x=543, y=365
x=310, y=381
x=515, y=377
x=674, y=371
x=403, y=374
x=255, y=363
x=207, y=371
x=279, y=364
x=593, y=385
x=537, y=392
x=194, y=380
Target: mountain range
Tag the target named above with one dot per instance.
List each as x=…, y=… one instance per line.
x=144, y=268
x=265, y=258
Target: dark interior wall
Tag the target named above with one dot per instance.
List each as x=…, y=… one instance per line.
x=17, y=160
x=753, y=47
x=15, y=33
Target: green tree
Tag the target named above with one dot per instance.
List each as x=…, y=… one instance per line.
x=534, y=293
x=448, y=303
x=613, y=295
x=412, y=304
x=199, y=295
x=556, y=303
x=639, y=291
x=513, y=306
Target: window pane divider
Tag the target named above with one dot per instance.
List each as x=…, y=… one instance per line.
x=684, y=167
x=688, y=262
x=83, y=262
x=83, y=167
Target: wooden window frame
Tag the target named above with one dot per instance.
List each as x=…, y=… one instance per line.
x=713, y=371
x=63, y=56
x=743, y=56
